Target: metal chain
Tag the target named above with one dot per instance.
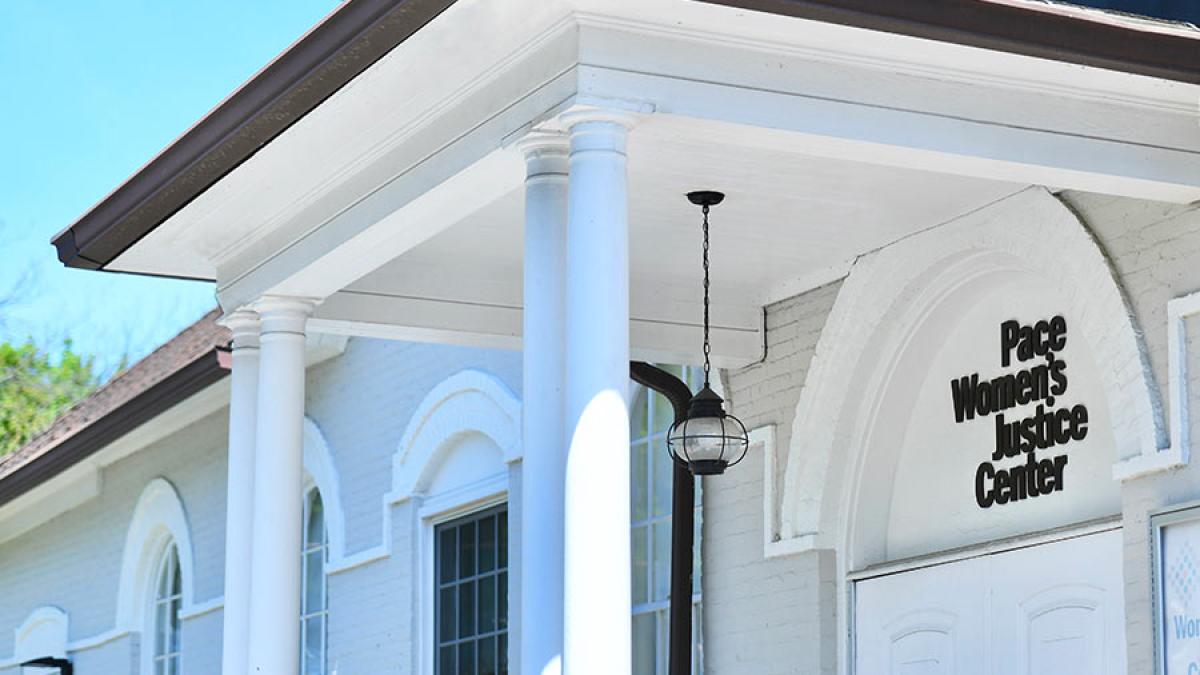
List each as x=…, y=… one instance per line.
x=706, y=346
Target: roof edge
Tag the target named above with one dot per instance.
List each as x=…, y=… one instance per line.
x=361, y=32
x=201, y=372
x=1009, y=27
x=337, y=50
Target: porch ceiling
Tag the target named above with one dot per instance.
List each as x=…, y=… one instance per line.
x=791, y=221
x=397, y=199
x=788, y=219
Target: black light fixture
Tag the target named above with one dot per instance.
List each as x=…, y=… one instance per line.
x=708, y=440
x=64, y=666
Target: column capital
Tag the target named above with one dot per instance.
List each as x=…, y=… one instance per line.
x=594, y=114
x=547, y=155
x=245, y=325
x=284, y=314
x=543, y=143
x=596, y=129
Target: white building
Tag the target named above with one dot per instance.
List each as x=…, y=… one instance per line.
x=952, y=287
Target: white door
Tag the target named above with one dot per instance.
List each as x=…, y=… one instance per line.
x=1052, y=609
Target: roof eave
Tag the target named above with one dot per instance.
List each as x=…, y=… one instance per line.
x=189, y=380
x=362, y=31
x=1016, y=28
x=342, y=46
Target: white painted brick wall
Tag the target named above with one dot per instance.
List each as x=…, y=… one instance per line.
x=372, y=608
x=112, y=658
x=363, y=400
x=778, y=615
x=761, y=616
x=766, y=616
x=202, y=639
x=1154, y=249
x=74, y=561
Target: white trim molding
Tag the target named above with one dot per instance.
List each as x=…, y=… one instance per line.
x=1179, y=451
x=762, y=441
x=42, y=633
x=321, y=468
x=199, y=609
x=433, y=511
x=158, y=521
x=468, y=401
x=890, y=291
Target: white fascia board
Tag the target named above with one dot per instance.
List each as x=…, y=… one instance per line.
x=378, y=229
x=922, y=141
x=467, y=65
x=468, y=174
x=81, y=482
x=74, y=487
x=657, y=335
x=416, y=103
x=418, y=177
x=1120, y=141
x=771, y=48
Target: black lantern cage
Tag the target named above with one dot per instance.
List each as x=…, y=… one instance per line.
x=708, y=440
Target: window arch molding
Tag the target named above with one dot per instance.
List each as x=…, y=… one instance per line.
x=43, y=633
x=467, y=402
x=159, y=521
x=323, y=474
x=1030, y=233
x=470, y=403
x=826, y=504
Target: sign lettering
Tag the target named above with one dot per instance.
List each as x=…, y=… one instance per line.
x=1040, y=378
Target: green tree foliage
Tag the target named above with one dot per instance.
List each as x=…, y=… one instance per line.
x=35, y=389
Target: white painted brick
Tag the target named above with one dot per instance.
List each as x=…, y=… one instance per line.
x=762, y=615
x=766, y=616
x=362, y=400
x=1154, y=250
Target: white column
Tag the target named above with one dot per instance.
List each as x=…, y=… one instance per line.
x=597, y=575
x=543, y=468
x=239, y=500
x=278, y=481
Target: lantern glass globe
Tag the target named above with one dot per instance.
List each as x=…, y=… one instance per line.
x=708, y=440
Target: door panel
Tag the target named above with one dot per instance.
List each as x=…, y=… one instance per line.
x=923, y=652
x=1063, y=639
x=916, y=626
x=1053, y=609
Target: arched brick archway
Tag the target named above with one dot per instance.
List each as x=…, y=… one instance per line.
x=888, y=295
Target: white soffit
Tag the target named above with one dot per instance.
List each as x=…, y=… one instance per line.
x=786, y=214
x=417, y=119
x=790, y=221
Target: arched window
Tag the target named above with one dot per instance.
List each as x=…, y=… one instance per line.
x=156, y=577
x=168, y=599
x=650, y=417
x=313, y=606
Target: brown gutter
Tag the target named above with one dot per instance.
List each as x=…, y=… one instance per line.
x=345, y=44
x=99, y=433
x=362, y=31
x=1027, y=29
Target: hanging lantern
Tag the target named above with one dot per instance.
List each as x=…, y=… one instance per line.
x=708, y=440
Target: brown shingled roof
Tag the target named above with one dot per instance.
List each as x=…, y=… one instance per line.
x=179, y=368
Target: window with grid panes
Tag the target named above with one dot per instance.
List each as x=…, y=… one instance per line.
x=314, y=607
x=168, y=596
x=650, y=417
x=471, y=613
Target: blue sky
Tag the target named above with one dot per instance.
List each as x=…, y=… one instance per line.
x=91, y=91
